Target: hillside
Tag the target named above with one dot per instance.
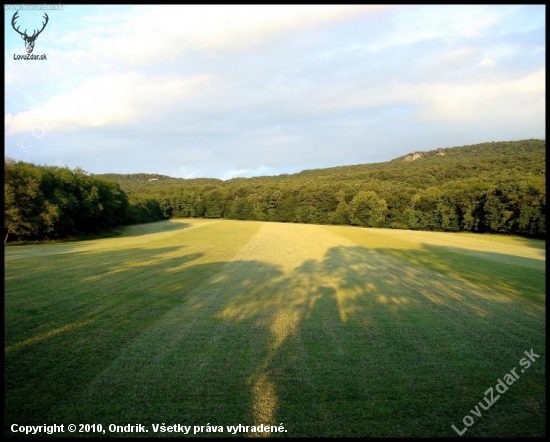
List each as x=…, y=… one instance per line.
x=489, y=187
x=420, y=169
x=423, y=169
x=492, y=187
x=131, y=180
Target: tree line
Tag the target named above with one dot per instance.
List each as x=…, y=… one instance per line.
x=48, y=202
x=492, y=187
x=516, y=207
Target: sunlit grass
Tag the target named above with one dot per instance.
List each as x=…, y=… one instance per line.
x=332, y=331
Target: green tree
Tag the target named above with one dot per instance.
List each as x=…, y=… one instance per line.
x=23, y=200
x=425, y=208
x=213, y=204
x=341, y=213
x=368, y=209
x=242, y=208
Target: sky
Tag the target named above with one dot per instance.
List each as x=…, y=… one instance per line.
x=238, y=91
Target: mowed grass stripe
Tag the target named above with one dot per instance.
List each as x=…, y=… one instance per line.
x=501, y=248
x=154, y=233
x=68, y=315
x=464, y=315
x=224, y=336
x=109, y=272
x=510, y=273
x=332, y=331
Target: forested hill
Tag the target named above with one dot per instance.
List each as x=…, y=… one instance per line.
x=489, y=187
x=132, y=180
x=421, y=168
x=426, y=168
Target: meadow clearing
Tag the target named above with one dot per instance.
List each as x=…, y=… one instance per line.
x=327, y=330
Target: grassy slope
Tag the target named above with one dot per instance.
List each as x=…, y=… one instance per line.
x=332, y=331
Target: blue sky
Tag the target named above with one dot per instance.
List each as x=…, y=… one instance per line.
x=226, y=91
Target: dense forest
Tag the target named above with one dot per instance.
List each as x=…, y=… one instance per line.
x=491, y=187
x=54, y=202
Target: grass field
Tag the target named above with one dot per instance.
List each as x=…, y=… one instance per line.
x=327, y=330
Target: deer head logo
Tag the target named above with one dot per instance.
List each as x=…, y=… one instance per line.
x=29, y=40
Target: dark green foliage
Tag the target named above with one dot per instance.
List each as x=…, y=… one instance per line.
x=24, y=209
x=214, y=204
x=242, y=208
x=53, y=202
x=367, y=209
x=490, y=187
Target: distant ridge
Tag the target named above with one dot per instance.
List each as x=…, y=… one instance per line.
x=495, y=187
x=483, y=153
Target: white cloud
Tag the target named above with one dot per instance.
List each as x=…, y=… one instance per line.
x=487, y=61
x=414, y=24
x=166, y=33
x=459, y=54
x=258, y=171
x=515, y=101
x=105, y=100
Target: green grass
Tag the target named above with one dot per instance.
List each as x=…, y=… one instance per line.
x=331, y=331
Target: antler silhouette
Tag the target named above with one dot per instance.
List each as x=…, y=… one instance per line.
x=24, y=34
x=43, y=26
x=13, y=24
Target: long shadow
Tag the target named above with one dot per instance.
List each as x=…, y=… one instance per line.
x=393, y=343
x=66, y=316
x=401, y=343
x=156, y=227
x=16, y=252
x=517, y=282
x=384, y=342
x=38, y=250
x=534, y=243
x=78, y=329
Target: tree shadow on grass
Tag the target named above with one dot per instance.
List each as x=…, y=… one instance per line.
x=377, y=343
x=155, y=227
x=534, y=243
x=68, y=314
x=385, y=342
x=514, y=278
x=47, y=249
